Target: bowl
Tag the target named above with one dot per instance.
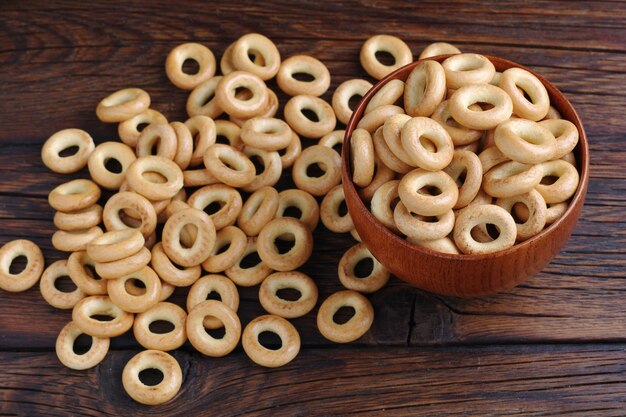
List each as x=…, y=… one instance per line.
x=465, y=275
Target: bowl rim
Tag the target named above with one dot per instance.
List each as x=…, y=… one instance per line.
x=553, y=92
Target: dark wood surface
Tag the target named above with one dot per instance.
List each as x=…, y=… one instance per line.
x=552, y=346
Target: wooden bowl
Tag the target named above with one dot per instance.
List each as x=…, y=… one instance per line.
x=465, y=275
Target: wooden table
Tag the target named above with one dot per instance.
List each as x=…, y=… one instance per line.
x=554, y=345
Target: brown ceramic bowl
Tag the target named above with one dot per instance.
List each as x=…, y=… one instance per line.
x=465, y=275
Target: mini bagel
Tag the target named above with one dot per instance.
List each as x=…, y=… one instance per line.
x=390, y=93
x=420, y=228
x=152, y=394
x=155, y=191
x=203, y=132
x=208, y=284
x=566, y=184
x=303, y=64
x=159, y=137
x=461, y=101
x=138, y=204
x=218, y=260
x=511, y=178
x=202, y=245
x=219, y=159
x=342, y=95
x=61, y=141
x=85, y=309
x=204, y=342
x=362, y=154
x=27, y=277
x=266, y=133
x=327, y=159
x=475, y=215
x=194, y=52
x=374, y=281
x=82, y=276
x=270, y=358
x=122, y=105
x=425, y=89
x=171, y=340
x=128, y=130
x=525, y=141
x=258, y=210
x=426, y=204
x=301, y=124
x=226, y=97
x=53, y=296
x=124, y=266
x=102, y=154
x=296, y=256
x=74, y=240
x=115, y=245
x=382, y=204
x=136, y=303
x=249, y=276
x=64, y=349
x=202, y=99
x=399, y=50
x=514, y=79
x=272, y=168
x=466, y=162
x=262, y=47
x=466, y=69
x=354, y=328
x=537, y=210
x=423, y=128
x=169, y=272
x=329, y=211
x=439, y=48
x=274, y=304
x=74, y=195
x=304, y=202
x=228, y=199
x=79, y=219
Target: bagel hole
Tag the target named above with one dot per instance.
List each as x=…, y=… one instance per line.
x=493, y=231
x=428, y=144
x=466, y=65
x=450, y=121
x=289, y=294
x=102, y=317
x=128, y=220
x=425, y=219
x=485, y=106
x=315, y=171
x=142, y=126
x=82, y=344
x=292, y=211
x=520, y=213
x=161, y=327
x=64, y=284
x=285, y=243
x=344, y=314
x=364, y=268
x=257, y=161
x=250, y=261
x=256, y=57
x=303, y=77
x=91, y=271
x=135, y=287
x=189, y=239
x=310, y=114
x=154, y=177
x=342, y=210
x=243, y=93
x=69, y=151
x=338, y=147
x=207, y=99
x=218, y=333
x=460, y=179
x=354, y=101
x=394, y=203
x=214, y=207
x=430, y=190
x=222, y=139
x=190, y=66
x=385, y=58
x=222, y=248
x=150, y=377
x=18, y=265
x=214, y=295
x=113, y=165
x=549, y=180
x=270, y=340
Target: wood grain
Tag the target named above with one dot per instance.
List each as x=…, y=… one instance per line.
x=540, y=380
x=58, y=58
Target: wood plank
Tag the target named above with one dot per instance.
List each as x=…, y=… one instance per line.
x=536, y=380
